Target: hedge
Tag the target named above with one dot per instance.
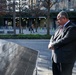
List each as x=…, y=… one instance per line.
x=27, y=36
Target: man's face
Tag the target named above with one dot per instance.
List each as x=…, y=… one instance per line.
x=60, y=20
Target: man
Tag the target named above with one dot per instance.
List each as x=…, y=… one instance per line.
x=63, y=46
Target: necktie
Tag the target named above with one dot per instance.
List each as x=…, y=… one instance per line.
x=61, y=29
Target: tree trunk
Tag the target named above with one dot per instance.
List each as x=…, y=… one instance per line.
x=19, y=18
x=14, y=15
x=20, y=25
x=48, y=19
x=36, y=24
x=48, y=25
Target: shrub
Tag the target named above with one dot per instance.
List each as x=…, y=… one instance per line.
x=27, y=36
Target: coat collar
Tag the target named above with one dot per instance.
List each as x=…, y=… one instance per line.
x=66, y=23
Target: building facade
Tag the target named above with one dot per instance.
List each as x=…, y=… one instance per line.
x=23, y=6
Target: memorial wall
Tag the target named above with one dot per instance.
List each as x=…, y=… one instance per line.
x=16, y=60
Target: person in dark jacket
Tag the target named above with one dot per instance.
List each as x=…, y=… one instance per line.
x=63, y=46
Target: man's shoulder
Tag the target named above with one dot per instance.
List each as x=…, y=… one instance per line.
x=71, y=24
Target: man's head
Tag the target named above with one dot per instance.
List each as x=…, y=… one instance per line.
x=62, y=18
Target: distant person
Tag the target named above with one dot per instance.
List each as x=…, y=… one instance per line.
x=32, y=28
x=44, y=25
x=63, y=46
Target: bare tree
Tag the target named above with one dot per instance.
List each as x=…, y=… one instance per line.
x=37, y=11
x=16, y=7
x=2, y=11
x=34, y=10
x=11, y=11
x=2, y=7
x=22, y=8
x=48, y=4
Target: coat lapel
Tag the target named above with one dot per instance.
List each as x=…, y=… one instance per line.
x=60, y=33
x=57, y=34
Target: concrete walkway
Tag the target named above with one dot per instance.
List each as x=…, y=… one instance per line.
x=44, y=56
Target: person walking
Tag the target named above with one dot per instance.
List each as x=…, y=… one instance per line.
x=63, y=46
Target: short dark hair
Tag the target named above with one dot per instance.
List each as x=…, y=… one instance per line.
x=64, y=14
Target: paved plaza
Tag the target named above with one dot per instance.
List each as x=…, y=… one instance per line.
x=26, y=31
x=44, y=55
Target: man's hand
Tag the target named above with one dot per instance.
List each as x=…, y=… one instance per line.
x=50, y=46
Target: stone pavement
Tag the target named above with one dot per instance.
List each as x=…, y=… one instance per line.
x=44, y=56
